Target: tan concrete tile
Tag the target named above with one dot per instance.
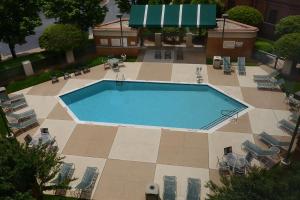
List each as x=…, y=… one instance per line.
x=91, y=141
x=136, y=144
x=241, y=125
x=24, y=91
x=232, y=91
x=265, y=120
x=96, y=73
x=183, y=148
x=217, y=77
x=219, y=140
x=59, y=112
x=60, y=129
x=130, y=71
x=182, y=174
x=187, y=73
x=155, y=71
x=42, y=105
x=47, y=88
x=75, y=84
x=124, y=180
x=80, y=164
x=247, y=80
x=215, y=177
x=264, y=99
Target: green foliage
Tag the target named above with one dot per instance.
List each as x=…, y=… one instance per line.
x=19, y=18
x=154, y=2
x=200, y=1
x=176, y=1
x=246, y=14
x=124, y=6
x=12, y=63
x=289, y=24
x=82, y=13
x=60, y=37
x=264, y=45
x=288, y=46
x=277, y=183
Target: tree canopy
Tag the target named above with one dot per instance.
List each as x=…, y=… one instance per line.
x=288, y=46
x=82, y=13
x=245, y=14
x=289, y=24
x=19, y=18
x=278, y=183
x=62, y=37
x=124, y=6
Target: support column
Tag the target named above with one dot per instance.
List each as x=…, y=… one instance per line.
x=189, y=40
x=158, y=39
x=27, y=68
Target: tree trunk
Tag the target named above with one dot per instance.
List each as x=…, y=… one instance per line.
x=12, y=50
x=70, y=56
x=37, y=191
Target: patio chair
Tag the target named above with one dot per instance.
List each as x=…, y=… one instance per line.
x=86, y=70
x=293, y=103
x=271, y=85
x=270, y=140
x=226, y=65
x=287, y=126
x=10, y=106
x=21, y=116
x=87, y=182
x=54, y=79
x=241, y=65
x=77, y=72
x=115, y=67
x=170, y=188
x=256, y=150
x=23, y=125
x=266, y=78
x=67, y=76
x=106, y=66
x=65, y=173
x=193, y=189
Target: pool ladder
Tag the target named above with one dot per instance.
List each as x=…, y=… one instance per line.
x=119, y=80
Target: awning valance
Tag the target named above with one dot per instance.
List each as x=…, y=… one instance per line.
x=184, y=15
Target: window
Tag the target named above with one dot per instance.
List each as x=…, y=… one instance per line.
x=272, y=16
x=116, y=42
x=104, y=42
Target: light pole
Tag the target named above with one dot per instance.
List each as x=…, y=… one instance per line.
x=120, y=17
x=286, y=160
x=224, y=16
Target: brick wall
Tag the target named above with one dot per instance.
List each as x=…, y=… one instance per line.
x=107, y=51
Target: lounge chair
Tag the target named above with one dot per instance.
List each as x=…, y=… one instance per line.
x=16, y=127
x=170, y=188
x=87, y=182
x=294, y=117
x=21, y=116
x=293, y=103
x=65, y=173
x=241, y=65
x=270, y=140
x=54, y=79
x=67, y=76
x=77, y=72
x=10, y=106
x=86, y=70
x=271, y=85
x=287, y=126
x=193, y=189
x=226, y=65
x=256, y=150
x=266, y=78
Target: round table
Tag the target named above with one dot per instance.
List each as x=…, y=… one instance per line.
x=236, y=162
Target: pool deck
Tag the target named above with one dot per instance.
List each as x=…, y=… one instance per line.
x=128, y=158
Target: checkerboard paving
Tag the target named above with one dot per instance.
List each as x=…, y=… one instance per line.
x=129, y=158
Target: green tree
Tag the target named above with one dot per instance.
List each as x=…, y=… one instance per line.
x=290, y=24
x=18, y=20
x=154, y=2
x=278, y=183
x=246, y=14
x=82, y=13
x=63, y=38
x=176, y=1
x=124, y=6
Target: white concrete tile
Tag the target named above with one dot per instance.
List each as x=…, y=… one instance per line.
x=247, y=80
x=42, y=105
x=232, y=91
x=130, y=71
x=182, y=174
x=136, y=144
x=187, y=73
x=24, y=91
x=219, y=140
x=75, y=84
x=60, y=129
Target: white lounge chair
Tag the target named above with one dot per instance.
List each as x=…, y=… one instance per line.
x=266, y=77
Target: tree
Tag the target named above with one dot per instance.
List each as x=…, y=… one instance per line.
x=154, y=2
x=82, y=13
x=18, y=20
x=246, y=14
x=124, y=6
x=63, y=38
x=277, y=183
x=290, y=24
x=176, y=2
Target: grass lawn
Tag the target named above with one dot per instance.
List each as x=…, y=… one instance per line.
x=12, y=63
x=52, y=197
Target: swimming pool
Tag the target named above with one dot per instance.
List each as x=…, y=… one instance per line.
x=187, y=106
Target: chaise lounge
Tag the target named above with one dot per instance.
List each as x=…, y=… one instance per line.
x=287, y=126
x=270, y=140
x=270, y=85
x=193, y=189
x=87, y=182
x=170, y=188
x=266, y=78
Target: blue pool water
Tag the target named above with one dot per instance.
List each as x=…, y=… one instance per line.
x=151, y=104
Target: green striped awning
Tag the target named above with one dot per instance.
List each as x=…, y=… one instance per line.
x=184, y=15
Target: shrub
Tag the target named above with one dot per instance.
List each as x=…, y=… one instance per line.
x=246, y=15
x=264, y=45
x=288, y=46
x=290, y=24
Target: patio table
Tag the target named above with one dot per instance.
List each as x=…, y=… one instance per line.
x=113, y=62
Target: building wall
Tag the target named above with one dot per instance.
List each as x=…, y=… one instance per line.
x=114, y=51
x=214, y=47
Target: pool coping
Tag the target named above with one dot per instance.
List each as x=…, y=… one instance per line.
x=211, y=130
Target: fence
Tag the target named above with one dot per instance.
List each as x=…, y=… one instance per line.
x=268, y=59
